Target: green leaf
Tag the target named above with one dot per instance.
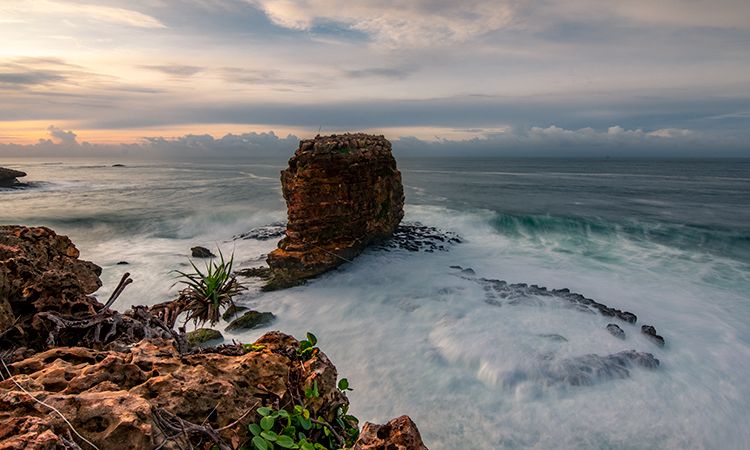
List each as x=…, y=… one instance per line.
x=269, y=436
x=254, y=428
x=311, y=337
x=306, y=423
x=286, y=442
x=306, y=413
x=267, y=423
x=343, y=384
x=264, y=411
x=283, y=413
x=260, y=443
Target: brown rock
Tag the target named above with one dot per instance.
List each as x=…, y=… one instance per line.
x=398, y=434
x=343, y=192
x=109, y=397
x=45, y=286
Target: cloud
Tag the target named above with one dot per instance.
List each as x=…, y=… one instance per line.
x=379, y=72
x=61, y=136
x=546, y=141
x=175, y=70
x=21, y=10
x=416, y=23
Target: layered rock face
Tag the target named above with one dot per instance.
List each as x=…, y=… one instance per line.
x=343, y=192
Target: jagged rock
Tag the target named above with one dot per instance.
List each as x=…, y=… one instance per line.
x=582, y=370
x=250, y=320
x=110, y=397
x=398, y=434
x=264, y=233
x=554, y=337
x=264, y=273
x=499, y=292
x=616, y=331
x=201, y=252
x=203, y=335
x=232, y=311
x=8, y=176
x=415, y=237
x=650, y=332
x=47, y=288
x=342, y=192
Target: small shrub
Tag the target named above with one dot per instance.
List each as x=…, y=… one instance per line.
x=209, y=291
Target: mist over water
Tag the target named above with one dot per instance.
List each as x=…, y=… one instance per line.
x=666, y=240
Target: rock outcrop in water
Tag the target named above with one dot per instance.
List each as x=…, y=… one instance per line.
x=8, y=177
x=343, y=192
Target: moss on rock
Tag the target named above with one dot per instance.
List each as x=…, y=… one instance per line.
x=250, y=320
x=203, y=335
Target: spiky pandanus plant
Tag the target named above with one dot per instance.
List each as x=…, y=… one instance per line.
x=209, y=291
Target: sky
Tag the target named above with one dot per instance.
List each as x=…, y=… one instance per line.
x=517, y=77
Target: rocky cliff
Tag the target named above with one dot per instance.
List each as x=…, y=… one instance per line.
x=343, y=192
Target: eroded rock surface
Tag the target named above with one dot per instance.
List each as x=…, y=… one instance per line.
x=110, y=397
x=398, y=434
x=343, y=192
x=45, y=296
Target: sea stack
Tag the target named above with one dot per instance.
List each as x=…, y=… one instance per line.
x=8, y=176
x=342, y=192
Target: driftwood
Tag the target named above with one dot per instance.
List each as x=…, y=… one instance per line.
x=185, y=434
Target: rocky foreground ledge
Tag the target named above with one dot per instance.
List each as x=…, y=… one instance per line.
x=343, y=192
x=78, y=375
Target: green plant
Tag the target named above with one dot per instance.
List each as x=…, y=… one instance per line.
x=297, y=428
x=307, y=348
x=209, y=291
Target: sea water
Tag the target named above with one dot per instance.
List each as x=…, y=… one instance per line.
x=667, y=240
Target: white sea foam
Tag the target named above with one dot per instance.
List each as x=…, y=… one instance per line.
x=416, y=338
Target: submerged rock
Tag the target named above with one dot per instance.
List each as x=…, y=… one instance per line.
x=398, y=434
x=8, y=176
x=264, y=233
x=616, y=331
x=342, y=192
x=584, y=370
x=415, y=237
x=554, y=337
x=201, y=252
x=650, y=333
x=250, y=320
x=203, y=335
x=232, y=311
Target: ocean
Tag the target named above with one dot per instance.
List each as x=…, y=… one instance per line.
x=418, y=333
